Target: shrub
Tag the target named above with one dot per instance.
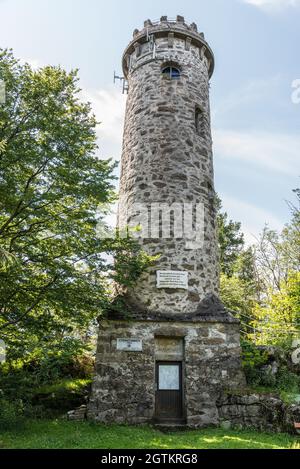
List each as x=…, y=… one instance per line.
x=253, y=359
x=11, y=414
x=257, y=366
x=288, y=381
x=47, y=385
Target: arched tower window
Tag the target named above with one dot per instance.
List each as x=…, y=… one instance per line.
x=171, y=72
x=200, y=121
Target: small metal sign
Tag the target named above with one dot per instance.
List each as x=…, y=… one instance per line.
x=172, y=279
x=129, y=345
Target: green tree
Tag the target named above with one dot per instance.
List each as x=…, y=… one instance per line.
x=278, y=320
x=239, y=291
x=238, y=285
x=278, y=254
x=231, y=240
x=52, y=267
x=291, y=236
x=277, y=258
x=233, y=293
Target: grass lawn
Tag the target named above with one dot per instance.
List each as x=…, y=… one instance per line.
x=63, y=434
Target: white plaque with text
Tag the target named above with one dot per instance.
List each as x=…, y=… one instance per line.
x=172, y=279
x=129, y=345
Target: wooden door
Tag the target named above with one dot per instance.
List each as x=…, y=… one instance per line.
x=168, y=399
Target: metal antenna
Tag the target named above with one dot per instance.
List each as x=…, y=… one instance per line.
x=116, y=77
x=123, y=81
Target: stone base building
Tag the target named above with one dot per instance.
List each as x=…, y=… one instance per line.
x=181, y=371
x=175, y=351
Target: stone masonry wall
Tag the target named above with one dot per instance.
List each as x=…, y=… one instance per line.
x=124, y=385
x=165, y=160
x=261, y=412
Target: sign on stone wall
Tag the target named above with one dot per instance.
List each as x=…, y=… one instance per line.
x=129, y=345
x=172, y=279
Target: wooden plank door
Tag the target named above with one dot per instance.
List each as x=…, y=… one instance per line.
x=168, y=399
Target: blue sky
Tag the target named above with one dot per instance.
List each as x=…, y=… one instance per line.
x=255, y=123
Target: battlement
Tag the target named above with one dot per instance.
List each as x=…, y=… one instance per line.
x=172, y=28
x=167, y=22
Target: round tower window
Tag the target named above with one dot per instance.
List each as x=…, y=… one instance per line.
x=171, y=72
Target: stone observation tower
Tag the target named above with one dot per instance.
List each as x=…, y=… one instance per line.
x=175, y=349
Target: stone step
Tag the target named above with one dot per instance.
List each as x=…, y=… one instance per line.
x=170, y=427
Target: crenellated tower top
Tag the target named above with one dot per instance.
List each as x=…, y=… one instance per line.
x=144, y=40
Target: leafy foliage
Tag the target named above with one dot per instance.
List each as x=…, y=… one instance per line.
x=54, y=273
x=11, y=414
x=231, y=240
x=278, y=320
x=252, y=356
x=239, y=291
x=46, y=384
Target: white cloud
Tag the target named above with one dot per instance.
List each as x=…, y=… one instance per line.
x=34, y=63
x=273, y=151
x=273, y=5
x=253, y=218
x=108, y=104
x=250, y=92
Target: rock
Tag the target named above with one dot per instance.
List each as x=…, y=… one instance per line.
x=261, y=412
x=77, y=414
x=226, y=425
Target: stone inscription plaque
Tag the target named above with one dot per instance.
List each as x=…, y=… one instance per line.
x=172, y=279
x=129, y=345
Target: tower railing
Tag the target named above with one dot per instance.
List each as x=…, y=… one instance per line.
x=157, y=22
